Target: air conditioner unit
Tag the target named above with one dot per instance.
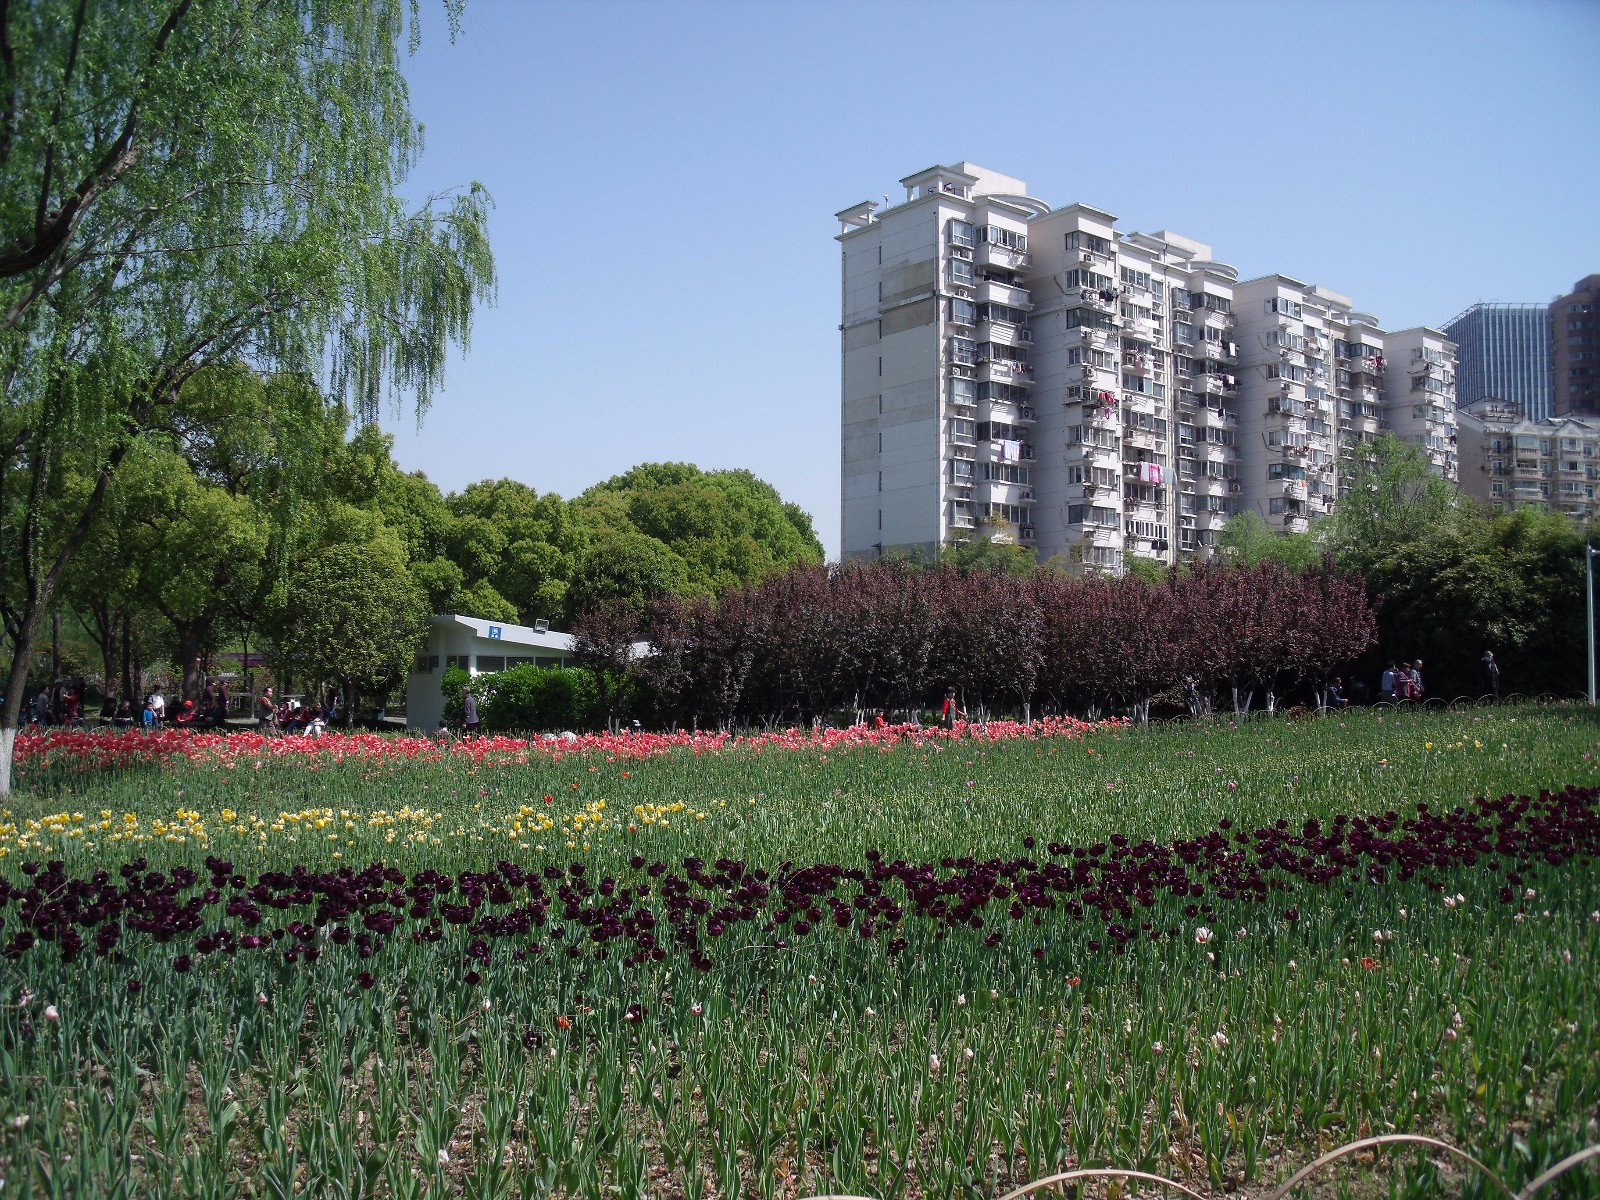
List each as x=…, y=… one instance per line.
x=1026, y=494
x=1087, y=257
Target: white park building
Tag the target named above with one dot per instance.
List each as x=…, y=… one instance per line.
x=478, y=647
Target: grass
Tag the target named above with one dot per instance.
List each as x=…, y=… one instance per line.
x=795, y=1065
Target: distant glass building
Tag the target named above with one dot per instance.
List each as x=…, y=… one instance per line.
x=1504, y=351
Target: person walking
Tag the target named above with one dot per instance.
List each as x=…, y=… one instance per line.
x=950, y=710
x=1491, y=675
x=264, y=712
x=469, y=712
x=1386, y=688
x=1416, y=680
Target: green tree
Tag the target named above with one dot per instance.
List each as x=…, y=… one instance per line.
x=623, y=570
x=725, y=528
x=190, y=183
x=1250, y=541
x=1393, y=498
x=352, y=614
x=978, y=550
x=539, y=538
x=196, y=546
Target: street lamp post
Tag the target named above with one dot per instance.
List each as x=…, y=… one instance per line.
x=1588, y=593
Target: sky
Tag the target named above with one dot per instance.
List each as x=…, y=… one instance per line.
x=665, y=176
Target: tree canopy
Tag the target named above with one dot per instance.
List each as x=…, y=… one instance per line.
x=194, y=184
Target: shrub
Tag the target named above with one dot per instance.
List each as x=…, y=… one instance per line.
x=539, y=698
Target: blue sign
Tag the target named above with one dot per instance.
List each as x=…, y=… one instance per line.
x=494, y=633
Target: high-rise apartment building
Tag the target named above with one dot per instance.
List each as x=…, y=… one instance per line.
x=1016, y=371
x=1575, y=349
x=1510, y=461
x=1503, y=351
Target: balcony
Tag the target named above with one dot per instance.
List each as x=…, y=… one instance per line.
x=1140, y=328
x=1143, y=439
x=1024, y=455
x=1085, y=297
x=994, y=292
x=1136, y=364
x=1002, y=371
x=992, y=254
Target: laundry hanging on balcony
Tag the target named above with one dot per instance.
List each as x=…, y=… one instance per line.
x=1010, y=451
x=1149, y=472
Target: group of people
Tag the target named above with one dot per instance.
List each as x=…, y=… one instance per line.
x=66, y=707
x=291, y=715
x=69, y=709
x=1401, y=683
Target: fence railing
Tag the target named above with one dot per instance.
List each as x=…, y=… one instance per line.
x=1305, y=1173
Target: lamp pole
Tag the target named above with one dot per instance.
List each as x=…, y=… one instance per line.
x=1588, y=593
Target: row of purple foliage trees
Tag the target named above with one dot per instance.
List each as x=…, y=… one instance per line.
x=865, y=636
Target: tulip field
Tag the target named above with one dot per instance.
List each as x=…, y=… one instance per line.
x=884, y=963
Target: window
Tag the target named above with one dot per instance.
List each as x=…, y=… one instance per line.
x=995, y=235
x=491, y=662
x=1000, y=352
x=1012, y=514
x=463, y=661
x=960, y=233
x=961, y=471
x=1092, y=280
x=963, y=432
x=1088, y=318
x=961, y=272
x=1005, y=473
x=1139, y=279
x=1182, y=333
x=1002, y=312
x=1181, y=298
x=1080, y=240
x=1006, y=392
x=963, y=312
x=963, y=391
x=963, y=350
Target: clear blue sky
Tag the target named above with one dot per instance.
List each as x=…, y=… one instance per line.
x=665, y=176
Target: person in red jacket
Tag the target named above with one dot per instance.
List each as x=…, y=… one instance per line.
x=951, y=710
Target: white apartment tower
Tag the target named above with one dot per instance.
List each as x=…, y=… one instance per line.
x=1027, y=373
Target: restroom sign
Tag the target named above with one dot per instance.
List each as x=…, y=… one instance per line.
x=494, y=633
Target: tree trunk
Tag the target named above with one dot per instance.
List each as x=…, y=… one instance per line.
x=128, y=687
x=55, y=666
x=191, y=639
x=16, y=685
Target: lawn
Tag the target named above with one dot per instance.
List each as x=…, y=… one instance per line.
x=888, y=964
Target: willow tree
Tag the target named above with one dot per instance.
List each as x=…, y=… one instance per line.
x=195, y=182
